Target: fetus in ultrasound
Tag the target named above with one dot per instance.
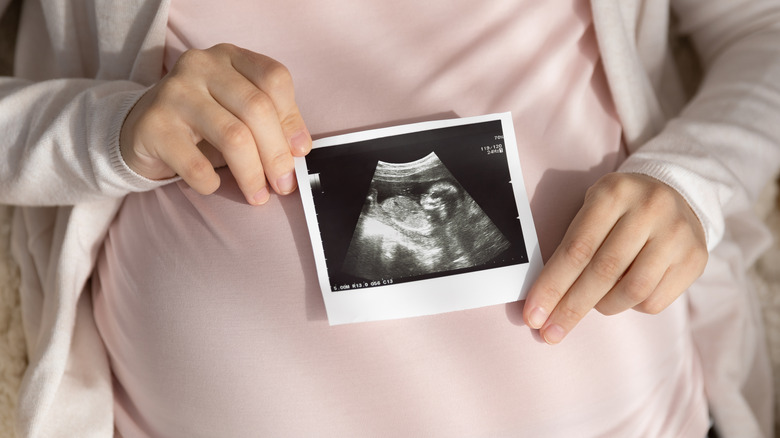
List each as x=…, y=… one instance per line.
x=417, y=219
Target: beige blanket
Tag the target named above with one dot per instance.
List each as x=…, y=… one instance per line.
x=13, y=358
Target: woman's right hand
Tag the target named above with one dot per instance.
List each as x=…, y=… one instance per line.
x=222, y=105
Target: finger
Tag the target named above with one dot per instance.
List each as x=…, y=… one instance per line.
x=610, y=262
x=668, y=289
x=588, y=229
x=640, y=280
x=258, y=112
x=670, y=262
x=275, y=80
x=184, y=158
x=234, y=141
x=677, y=278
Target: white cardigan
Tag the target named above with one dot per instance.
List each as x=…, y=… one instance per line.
x=81, y=65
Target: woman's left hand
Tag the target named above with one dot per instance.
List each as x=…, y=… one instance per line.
x=635, y=243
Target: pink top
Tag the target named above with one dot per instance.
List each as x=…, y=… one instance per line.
x=210, y=308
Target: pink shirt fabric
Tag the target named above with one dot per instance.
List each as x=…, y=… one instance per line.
x=210, y=308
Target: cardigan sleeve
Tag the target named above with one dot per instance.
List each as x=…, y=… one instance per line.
x=78, y=72
x=60, y=141
x=724, y=146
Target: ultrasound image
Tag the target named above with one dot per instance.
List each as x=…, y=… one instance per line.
x=417, y=219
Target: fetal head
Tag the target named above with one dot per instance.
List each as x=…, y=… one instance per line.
x=440, y=200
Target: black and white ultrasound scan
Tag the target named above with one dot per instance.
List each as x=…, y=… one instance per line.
x=419, y=219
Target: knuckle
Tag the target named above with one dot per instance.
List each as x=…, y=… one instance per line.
x=222, y=47
x=192, y=58
x=251, y=183
x=612, y=182
x=684, y=234
x=279, y=163
x=678, y=228
x=179, y=89
x=610, y=187
x=256, y=180
x=293, y=122
x=697, y=257
x=197, y=169
x=171, y=90
x=569, y=313
x=596, y=193
x=606, y=267
x=259, y=104
x=276, y=76
x=548, y=291
x=234, y=135
x=579, y=251
x=637, y=288
x=659, y=197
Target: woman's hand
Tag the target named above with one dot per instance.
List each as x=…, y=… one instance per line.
x=223, y=105
x=635, y=243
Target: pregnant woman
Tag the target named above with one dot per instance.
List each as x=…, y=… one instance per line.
x=168, y=281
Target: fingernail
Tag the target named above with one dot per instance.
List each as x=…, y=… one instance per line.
x=553, y=334
x=262, y=196
x=286, y=183
x=300, y=142
x=537, y=317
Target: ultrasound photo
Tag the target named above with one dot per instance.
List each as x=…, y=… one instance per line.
x=414, y=206
x=417, y=219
